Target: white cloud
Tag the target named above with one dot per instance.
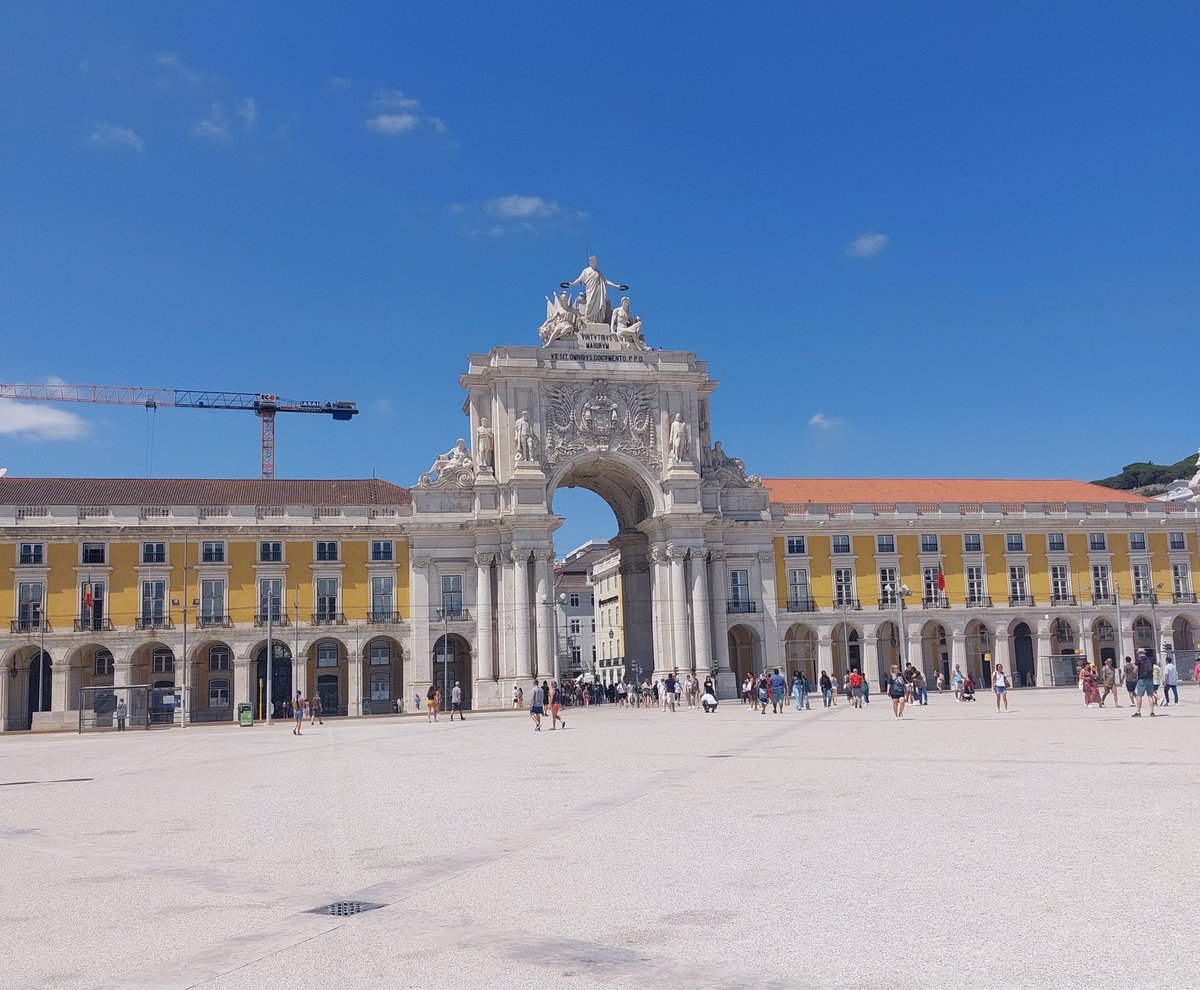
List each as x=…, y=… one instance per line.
x=248, y=111
x=393, y=99
x=34, y=422
x=867, y=245
x=339, y=84
x=438, y=125
x=520, y=207
x=392, y=123
x=215, y=126
x=105, y=133
x=822, y=422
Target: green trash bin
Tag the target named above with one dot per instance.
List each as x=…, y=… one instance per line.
x=366, y=708
x=245, y=713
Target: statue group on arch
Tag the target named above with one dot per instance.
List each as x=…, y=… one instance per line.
x=566, y=318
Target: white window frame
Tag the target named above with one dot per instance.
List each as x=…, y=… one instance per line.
x=796, y=545
x=36, y=552
x=383, y=551
x=1018, y=582
x=212, y=552
x=327, y=551
x=977, y=548
x=154, y=552
x=263, y=557
x=1056, y=543
x=1097, y=543
x=838, y=547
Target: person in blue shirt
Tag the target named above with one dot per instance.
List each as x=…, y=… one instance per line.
x=778, y=691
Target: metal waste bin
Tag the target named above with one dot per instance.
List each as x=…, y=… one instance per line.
x=245, y=713
x=366, y=708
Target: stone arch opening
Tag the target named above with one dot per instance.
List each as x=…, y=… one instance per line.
x=800, y=652
x=743, y=652
x=452, y=665
x=383, y=675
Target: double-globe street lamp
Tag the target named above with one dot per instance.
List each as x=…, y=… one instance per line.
x=898, y=593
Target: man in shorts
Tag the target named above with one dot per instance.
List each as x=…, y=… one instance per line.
x=536, y=709
x=1129, y=672
x=456, y=702
x=1145, y=683
x=298, y=713
x=1108, y=677
x=778, y=685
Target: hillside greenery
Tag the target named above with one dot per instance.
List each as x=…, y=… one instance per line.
x=1143, y=474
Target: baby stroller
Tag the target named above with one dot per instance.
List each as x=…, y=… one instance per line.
x=968, y=690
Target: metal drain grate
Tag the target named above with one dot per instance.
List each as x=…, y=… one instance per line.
x=343, y=909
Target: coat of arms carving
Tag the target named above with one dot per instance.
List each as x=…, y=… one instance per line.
x=600, y=417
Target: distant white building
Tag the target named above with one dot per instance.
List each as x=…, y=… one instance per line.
x=574, y=596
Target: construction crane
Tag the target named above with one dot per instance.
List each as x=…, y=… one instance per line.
x=262, y=404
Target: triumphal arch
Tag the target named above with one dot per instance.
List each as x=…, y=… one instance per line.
x=588, y=403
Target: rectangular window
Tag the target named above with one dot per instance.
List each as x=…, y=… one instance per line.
x=154, y=595
x=885, y=543
x=841, y=544
x=270, y=552
x=1014, y=543
x=798, y=596
x=929, y=543
x=796, y=544
x=975, y=595
x=381, y=687
x=1060, y=584
x=573, y=600
x=381, y=550
x=382, y=601
x=154, y=553
x=577, y=655
x=1176, y=541
x=929, y=579
x=1055, y=542
x=327, y=655
x=972, y=543
x=739, y=586
x=1096, y=541
x=162, y=661
x=92, y=615
x=102, y=665
x=843, y=587
x=327, y=550
x=1137, y=541
x=32, y=553
x=270, y=599
x=1100, y=583
x=1141, y=582
x=218, y=694
x=1181, y=580
x=452, y=592
x=212, y=552
x=93, y=553
x=887, y=585
x=1018, y=586
x=218, y=658
x=327, y=599
x=575, y=627
x=30, y=596
x=381, y=655
x=212, y=600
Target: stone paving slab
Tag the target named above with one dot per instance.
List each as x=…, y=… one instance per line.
x=819, y=849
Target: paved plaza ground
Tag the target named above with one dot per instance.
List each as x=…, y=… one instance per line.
x=1050, y=847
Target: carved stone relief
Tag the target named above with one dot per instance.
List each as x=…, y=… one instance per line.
x=600, y=417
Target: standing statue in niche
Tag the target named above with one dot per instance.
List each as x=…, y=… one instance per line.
x=525, y=438
x=626, y=327
x=681, y=440
x=485, y=446
x=593, y=304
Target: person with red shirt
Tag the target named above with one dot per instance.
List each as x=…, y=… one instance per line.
x=856, y=686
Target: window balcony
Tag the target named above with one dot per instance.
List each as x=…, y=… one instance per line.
x=153, y=622
x=1020, y=601
x=276, y=618
x=741, y=606
x=1067, y=601
x=214, y=621
x=937, y=601
x=801, y=605
x=453, y=615
x=1112, y=599
x=1184, y=598
x=886, y=602
x=28, y=625
x=382, y=618
x=847, y=605
x=979, y=601
x=328, y=619
x=93, y=623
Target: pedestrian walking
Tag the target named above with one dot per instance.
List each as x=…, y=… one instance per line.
x=122, y=714
x=897, y=691
x=456, y=704
x=535, y=708
x=1129, y=672
x=316, y=709
x=826, y=686
x=431, y=704
x=866, y=690
x=941, y=682
x=298, y=713
x=555, y=705
x=1091, y=686
x=1000, y=687
x=778, y=688
x=1144, y=688
x=796, y=688
x=1108, y=683
x=956, y=681
x=805, y=690
x=669, y=697
x=856, y=686
x=746, y=685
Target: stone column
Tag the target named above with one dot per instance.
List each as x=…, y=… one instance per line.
x=358, y=690
x=1045, y=676
x=958, y=656
x=242, y=691
x=544, y=620
x=824, y=656
x=520, y=559
x=300, y=678
x=60, y=683
x=681, y=658
x=484, y=651
x=420, y=660
x=771, y=635
x=870, y=660
x=701, y=614
x=660, y=590
x=999, y=655
x=717, y=598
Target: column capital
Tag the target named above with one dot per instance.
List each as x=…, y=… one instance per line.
x=519, y=555
x=421, y=563
x=718, y=553
x=700, y=553
x=656, y=553
x=485, y=559
x=766, y=557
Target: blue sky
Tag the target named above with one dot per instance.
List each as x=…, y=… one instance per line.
x=910, y=239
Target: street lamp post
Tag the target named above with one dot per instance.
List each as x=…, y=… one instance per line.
x=1154, y=617
x=899, y=593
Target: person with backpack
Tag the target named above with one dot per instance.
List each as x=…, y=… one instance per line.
x=897, y=691
x=1000, y=686
x=315, y=710
x=1145, y=687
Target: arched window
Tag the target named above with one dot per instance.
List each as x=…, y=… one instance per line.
x=218, y=693
x=103, y=664
x=162, y=661
x=218, y=658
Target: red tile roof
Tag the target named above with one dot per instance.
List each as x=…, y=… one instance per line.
x=200, y=491
x=824, y=491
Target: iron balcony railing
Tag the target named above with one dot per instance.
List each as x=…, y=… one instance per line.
x=453, y=615
x=1065, y=600
x=887, y=602
x=214, y=621
x=937, y=601
x=979, y=601
x=93, y=624
x=328, y=619
x=277, y=618
x=1184, y=598
x=1112, y=599
x=153, y=622
x=28, y=625
x=846, y=605
x=801, y=605
x=380, y=618
x=1020, y=601
x=741, y=606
